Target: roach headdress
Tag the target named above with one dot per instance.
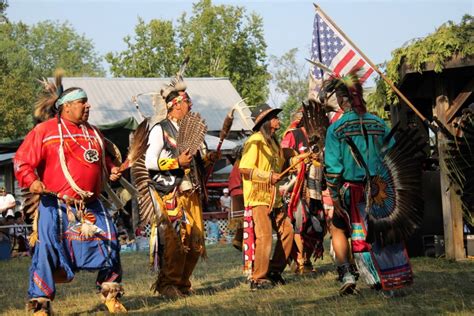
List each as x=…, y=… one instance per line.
x=177, y=85
x=345, y=86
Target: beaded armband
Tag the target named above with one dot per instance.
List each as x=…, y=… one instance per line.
x=168, y=163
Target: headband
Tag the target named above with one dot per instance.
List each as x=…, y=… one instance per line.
x=177, y=100
x=71, y=96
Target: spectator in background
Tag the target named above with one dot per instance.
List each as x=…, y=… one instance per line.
x=4, y=232
x=10, y=217
x=213, y=230
x=140, y=231
x=20, y=235
x=225, y=200
x=7, y=201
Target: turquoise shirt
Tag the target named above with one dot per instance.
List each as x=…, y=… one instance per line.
x=339, y=161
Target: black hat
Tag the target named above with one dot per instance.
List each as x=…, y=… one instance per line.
x=262, y=113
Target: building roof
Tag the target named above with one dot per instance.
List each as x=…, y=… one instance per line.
x=111, y=99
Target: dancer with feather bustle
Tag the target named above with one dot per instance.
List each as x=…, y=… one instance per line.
x=260, y=166
x=357, y=147
x=72, y=230
x=177, y=174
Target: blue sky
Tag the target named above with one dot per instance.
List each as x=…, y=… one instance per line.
x=377, y=27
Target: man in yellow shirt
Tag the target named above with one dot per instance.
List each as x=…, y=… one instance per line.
x=260, y=166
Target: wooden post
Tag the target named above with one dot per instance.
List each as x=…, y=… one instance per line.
x=451, y=202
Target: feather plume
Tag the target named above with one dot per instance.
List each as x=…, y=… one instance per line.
x=192, y=130
x=177, y=83
x=316, y=123
x=139, y=144
x=30, y=210
x=179, y=75
x=148, y=208
x=349, y=85
x=45, y=106
x=30, y=204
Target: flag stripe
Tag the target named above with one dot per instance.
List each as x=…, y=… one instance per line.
x=344, y=62
x=366, y=75
x=358, y=65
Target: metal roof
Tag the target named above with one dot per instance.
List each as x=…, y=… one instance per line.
x=111, y=99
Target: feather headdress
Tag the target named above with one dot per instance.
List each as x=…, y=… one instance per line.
x=45, y=106
x=176, y=85
x=349, y=86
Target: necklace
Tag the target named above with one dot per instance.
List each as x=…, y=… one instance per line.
x=90, y=155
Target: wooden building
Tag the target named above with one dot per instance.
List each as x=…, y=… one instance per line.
x=443, y=95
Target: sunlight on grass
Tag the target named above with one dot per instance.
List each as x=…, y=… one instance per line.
x=441, y=287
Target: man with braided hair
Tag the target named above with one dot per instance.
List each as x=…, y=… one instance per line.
x=178, y=180
x=64, y=160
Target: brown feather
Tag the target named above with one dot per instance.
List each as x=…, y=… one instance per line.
x=138, y=146
x=148, y=209
x=192, y=130
x=229, y=119
x=316, y=123
x=112, y=151
x=139, y=143
x=45, y=107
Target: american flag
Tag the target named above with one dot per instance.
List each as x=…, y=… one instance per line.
x=330, y=48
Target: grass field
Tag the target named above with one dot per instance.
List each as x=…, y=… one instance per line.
x=441, y=287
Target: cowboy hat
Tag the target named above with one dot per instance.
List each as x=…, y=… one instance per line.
x=261, y=114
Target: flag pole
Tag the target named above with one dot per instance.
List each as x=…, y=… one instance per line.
x=387, y=80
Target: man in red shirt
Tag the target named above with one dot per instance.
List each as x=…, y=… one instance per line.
x=63, y=159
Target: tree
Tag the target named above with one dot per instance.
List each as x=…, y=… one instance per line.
x=220, y=40
x=3, y=8
x=17, y=86
x=291, y=80
x=152, y=53
x=29, y=53
x=448, y=41
x=55, y=45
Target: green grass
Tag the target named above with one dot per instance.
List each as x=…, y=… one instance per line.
x=441, y=287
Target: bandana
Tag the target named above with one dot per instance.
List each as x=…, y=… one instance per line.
x=71, y=96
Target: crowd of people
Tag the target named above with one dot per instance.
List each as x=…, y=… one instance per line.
x=275, y=186
x=13, y=230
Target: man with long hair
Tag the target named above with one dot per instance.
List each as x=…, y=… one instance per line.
x=260, y=166
x=63, y=159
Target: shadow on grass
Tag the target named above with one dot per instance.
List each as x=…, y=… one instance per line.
x=210, y=288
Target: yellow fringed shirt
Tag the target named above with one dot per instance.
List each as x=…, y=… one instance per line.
x=258, y=155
